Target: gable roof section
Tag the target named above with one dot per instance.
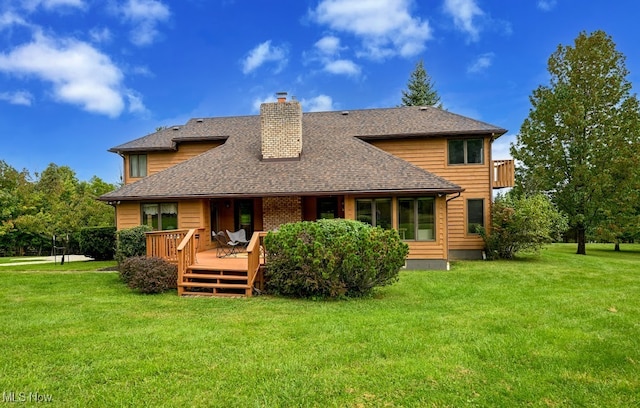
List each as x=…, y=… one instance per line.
x=333, y=160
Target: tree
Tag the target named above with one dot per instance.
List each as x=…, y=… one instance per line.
x=16, y=191
x=522, y=224
x=55, y=203
x=580, y=141
x=421, y=89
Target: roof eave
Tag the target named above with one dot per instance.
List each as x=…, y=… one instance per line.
x=428, y=191
x=495, y=133
x=143, y=150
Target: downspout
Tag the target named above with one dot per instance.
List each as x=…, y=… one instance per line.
x=446, y=209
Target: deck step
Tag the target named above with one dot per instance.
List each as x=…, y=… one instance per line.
x=227, y=268
x=214, y=285
x=211, y=294
x=215, y=276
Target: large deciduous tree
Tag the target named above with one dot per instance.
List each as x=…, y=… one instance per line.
x=420, y=89
x=581, y=139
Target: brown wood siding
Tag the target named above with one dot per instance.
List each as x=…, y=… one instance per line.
x=431, y=155
x=190, y=214
x=195, y=214
x=158, y=161
x=127, y=215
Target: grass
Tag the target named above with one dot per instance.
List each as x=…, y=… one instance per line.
x=4, y=260
x=78, y=266
x=551, y=331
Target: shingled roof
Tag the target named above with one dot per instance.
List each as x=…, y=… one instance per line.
x=334, y=159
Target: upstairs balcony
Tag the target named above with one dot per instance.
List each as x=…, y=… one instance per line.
x=504, y=174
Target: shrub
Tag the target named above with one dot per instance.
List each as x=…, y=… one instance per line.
x=148, y=275
x=332, y=258
x=132, y=242
x=98, y=243
x=523, y=223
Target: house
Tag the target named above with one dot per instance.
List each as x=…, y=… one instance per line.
x=424, y=171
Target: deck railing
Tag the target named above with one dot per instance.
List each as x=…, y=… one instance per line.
x=504, y=173
x=255, y=258
x=186, y=254
x=164, y=244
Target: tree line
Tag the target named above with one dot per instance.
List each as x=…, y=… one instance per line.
x=35, y=207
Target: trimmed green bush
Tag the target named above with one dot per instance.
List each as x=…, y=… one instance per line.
x=98, y=243
x=148, y=275
x=332, y=258
x=132, y=242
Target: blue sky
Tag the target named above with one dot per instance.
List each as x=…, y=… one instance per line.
x=78, y=77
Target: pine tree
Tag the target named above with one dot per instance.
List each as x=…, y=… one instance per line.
x=421, y=89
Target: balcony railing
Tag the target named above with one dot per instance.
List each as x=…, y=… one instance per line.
x=504, y=173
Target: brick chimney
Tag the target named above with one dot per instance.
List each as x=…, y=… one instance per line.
x=281, y=129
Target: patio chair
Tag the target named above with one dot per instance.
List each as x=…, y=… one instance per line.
x=225, y=245
x=239, y=237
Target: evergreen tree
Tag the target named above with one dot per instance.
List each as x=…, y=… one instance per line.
x=421, y=89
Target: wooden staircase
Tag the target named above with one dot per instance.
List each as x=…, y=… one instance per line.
x=209, y=275
x=201, y=280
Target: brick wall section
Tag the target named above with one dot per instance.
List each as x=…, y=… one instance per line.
x=281, y=130
x=280, y=210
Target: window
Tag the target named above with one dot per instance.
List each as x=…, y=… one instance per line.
x=375, y=212
x=466, y=151
x=416, y=218
x=475, y=215
x=137, y=165
x=162, y=216
x=327, y=208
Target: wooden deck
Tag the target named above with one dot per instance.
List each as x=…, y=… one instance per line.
x=205, y=273
x=210, y=258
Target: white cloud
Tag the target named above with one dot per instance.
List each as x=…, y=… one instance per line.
x=463, y=13
x=546, y=5
x=262, y=54
x=135, y=102
x=79, y=74
x=385, y=27
x=100, y=35
x=327, y=52
x=328, y=45
x=320, y=103
x=483, y=62
x=342, y=67
x=31, y=5
x=145, y=16
x=17, y=98
x=8, y=19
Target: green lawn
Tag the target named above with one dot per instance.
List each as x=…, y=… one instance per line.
x=85, y=266
x=555, y=330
